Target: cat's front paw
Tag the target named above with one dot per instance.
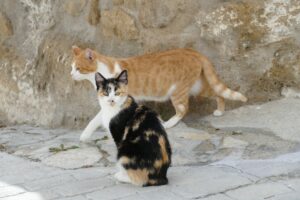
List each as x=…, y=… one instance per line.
x=84, y=138
x=122, y=177
x=218, y=113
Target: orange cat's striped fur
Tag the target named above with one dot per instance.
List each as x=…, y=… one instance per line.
x=174, y=74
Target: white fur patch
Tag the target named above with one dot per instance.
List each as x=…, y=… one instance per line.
x=158, y=99
x=122, y=175
x=181, y=108
x=238, y=96
x=117, y=68
x=218, y=88
x=76, y=75
x=91, y=127
x=227, y=93
x=218, y=113
x=103, y=69
x=107, y=113
x=73, y=68
x=196, y=88
x=172, y=122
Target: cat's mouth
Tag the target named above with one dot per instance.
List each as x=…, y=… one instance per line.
x=74, y=77
x=112, y=103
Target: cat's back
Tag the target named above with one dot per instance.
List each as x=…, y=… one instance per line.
x=167, y=53
x=145, y=137
x=145, y=119
x=133, y=121
x=174, y=56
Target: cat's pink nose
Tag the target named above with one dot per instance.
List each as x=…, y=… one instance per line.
x=111, y=102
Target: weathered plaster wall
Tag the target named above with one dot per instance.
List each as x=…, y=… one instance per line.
x=254, y=45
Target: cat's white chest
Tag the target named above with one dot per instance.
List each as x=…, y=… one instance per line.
x=107, y=113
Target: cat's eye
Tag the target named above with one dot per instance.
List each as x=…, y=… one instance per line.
x=77, y=68
x=117, y=93
x=105, y=93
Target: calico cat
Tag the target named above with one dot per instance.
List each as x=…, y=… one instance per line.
x=144, y=152
x=174, y=74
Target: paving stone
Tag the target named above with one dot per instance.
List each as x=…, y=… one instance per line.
x=48, y=194
x=74, y=158
x=232, y=174
x=133, y=197
x=292, y=183
x=286, y=196
x=199, y=182
x=80, y=197
x=114, y=192
x=259, y=191
x=26, y=196
x=13, y=179
x=92, y=173
x=3, y=184
x=230, y=142
x=44, y=183
x=281, y=117
x=161, y=195
x=10, y=191
x=265, y=168
x=217, y=197
x=85, y=186
x=121, y=190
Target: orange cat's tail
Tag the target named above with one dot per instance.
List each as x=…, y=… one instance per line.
x=217, y=85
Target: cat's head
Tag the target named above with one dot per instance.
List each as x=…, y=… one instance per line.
x=112, y=91
x=84, y=64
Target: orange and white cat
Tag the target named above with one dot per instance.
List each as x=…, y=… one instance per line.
x=174, y=74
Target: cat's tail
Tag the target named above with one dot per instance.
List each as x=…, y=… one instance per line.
x=217, y=85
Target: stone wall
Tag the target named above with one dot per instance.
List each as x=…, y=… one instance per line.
x=254, y=45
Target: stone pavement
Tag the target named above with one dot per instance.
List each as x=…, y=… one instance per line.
x=250, y=153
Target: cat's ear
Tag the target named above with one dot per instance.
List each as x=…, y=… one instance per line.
x=99, y=80
x=90, y=54
x=76, y=50
x=123, y=78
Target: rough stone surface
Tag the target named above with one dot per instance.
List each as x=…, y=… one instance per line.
x=6, y=28
x=262, y=191
x=119, y=23
x=75, y=158
x=257, y=116
x=157, y=14
x=94, y=14
x=253, y=44
x=74, y=8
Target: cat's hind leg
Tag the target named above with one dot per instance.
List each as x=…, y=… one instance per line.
x=180, y=101
x=220, y=106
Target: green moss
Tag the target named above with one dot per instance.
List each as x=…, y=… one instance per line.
x=61, y=148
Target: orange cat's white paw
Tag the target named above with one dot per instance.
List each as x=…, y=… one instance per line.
x=218, y=113
x=171, y=122
x=84, y=138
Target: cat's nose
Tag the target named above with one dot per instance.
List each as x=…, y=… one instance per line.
x=111, y=102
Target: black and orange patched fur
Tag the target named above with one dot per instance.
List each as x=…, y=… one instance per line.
x=144, y=152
